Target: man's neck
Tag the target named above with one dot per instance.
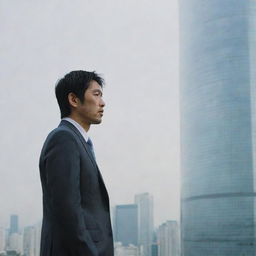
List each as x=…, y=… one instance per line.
x=83, y=124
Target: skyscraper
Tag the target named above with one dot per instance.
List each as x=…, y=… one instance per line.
x=29, y=241
x=14, y=224
x=126, y=224
x=217, y=65
x=145, y=222
x=38, y=227
x=168, y=239
x=2, y=239
x=15, y=242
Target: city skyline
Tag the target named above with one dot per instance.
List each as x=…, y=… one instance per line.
x=26, y=241
x=7, y=222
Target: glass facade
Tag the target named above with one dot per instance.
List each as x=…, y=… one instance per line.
x=217, y=127
x=168, y=239
x=144, y=202
x=126, y=224
x=13, y=224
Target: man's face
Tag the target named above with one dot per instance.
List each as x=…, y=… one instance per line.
x=91, y=110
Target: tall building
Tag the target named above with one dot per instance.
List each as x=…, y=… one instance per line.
x=38, y=228
x=29, y=241
x=217, y=75
x=154, y=245
x=14, y=224
x=168, y=239
x=145, y=222
x=126, y=224
x=154, y=249
x=2, y=239
x=15, y=242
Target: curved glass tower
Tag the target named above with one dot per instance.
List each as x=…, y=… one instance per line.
x=218, y=127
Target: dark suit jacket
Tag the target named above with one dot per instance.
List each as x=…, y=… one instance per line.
x=76, y=219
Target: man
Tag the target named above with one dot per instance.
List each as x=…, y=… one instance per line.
x=76, y=219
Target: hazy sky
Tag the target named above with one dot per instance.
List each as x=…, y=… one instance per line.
x=134, y=45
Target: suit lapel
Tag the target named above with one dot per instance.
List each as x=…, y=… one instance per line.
x=74, y=129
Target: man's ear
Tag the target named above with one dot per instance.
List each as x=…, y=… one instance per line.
x=73, y=100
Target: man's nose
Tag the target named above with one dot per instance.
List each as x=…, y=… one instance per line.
x=102, y=103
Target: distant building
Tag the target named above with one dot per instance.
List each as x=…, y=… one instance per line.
x=14, y=224
x=38, y=228
x=145, y=222
x=154, y=245
x=29, y=241
x=129, y=250
x=154, y=249
x=15, y=242
x=2, y=239
x=126, y=224
x=168, y=239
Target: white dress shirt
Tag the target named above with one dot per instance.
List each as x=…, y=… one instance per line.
x=78, y=126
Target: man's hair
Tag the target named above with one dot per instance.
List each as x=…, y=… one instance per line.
x=76, y=82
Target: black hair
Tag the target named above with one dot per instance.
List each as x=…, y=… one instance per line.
x=76, y=82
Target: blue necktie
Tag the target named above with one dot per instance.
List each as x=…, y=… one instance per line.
x=89, y=143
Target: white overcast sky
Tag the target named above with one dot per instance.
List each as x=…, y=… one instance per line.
x=134, y=45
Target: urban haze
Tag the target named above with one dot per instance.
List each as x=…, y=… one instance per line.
x=134, y=45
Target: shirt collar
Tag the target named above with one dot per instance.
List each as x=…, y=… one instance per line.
x=78, y=126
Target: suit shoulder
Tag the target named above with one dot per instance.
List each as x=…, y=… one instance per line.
x=61, y=131
x=61, y=140
x=60, y=135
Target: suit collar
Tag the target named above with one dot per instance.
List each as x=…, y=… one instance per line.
x=78, y=133
x=78, y=127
